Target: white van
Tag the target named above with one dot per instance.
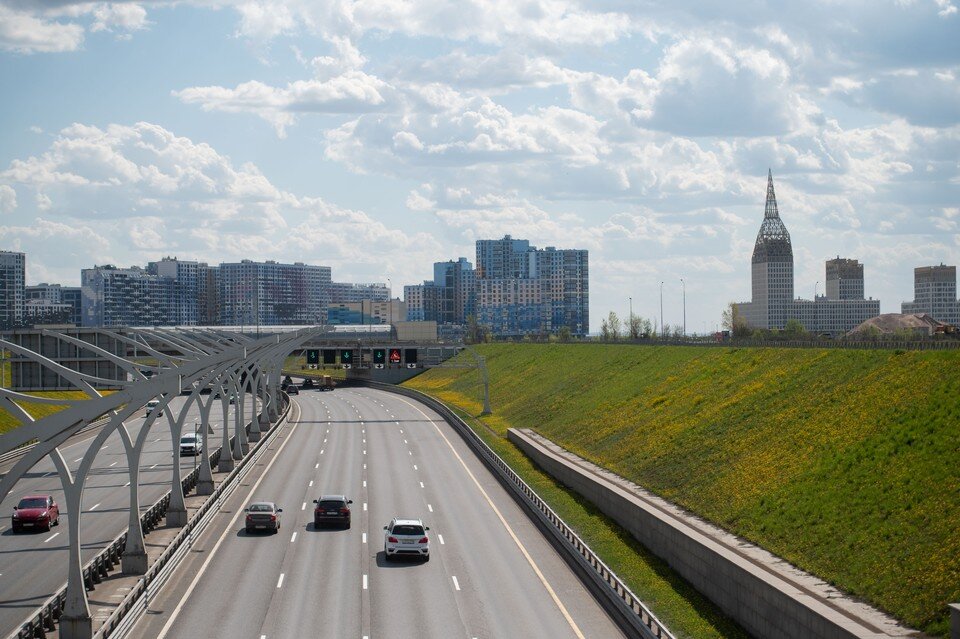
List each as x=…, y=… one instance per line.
x=190, y=445
x=152, y=405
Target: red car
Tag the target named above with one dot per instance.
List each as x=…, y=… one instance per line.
x=35, y=511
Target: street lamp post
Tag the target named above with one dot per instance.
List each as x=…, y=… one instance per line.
x=630, y=321
x=684, y=287
x=661, y=310
x=390, y=302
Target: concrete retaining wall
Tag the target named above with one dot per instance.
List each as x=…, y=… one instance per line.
x=763, y=603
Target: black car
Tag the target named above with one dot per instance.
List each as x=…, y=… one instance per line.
x=332, y=509
x=293, y=390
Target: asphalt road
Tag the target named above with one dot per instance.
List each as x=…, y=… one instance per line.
x=33, y=565
x=491, y=574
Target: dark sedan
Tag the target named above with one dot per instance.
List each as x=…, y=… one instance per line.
x=332, y=509
x=35, y=512
x=263, y=515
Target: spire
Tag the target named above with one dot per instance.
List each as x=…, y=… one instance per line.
x=771, y=208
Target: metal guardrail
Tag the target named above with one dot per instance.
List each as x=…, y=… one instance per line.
x=640, y=620
x=44, y=619
x=135, y=604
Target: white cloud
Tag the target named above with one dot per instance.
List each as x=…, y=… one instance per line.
x=117, y=16
x=8, y=199
x=23, y=32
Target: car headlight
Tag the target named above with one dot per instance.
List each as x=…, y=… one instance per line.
x=16, y=514
x=44, y=515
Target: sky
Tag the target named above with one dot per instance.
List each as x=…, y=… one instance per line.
x=380, y=136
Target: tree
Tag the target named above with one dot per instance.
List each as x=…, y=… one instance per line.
x=476, y=332
x=678, y=331
x=794, y=328
x=604, y=331
x=646, y=328
x=635, y=327
x=665, y=331
x=564, y=334
x=615, y=325
x=734, y=321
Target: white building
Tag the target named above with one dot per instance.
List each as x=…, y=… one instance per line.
x=935, y=293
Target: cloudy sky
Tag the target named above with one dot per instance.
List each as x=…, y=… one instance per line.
x=379, y=136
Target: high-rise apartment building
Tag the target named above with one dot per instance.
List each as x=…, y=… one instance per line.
x=12, y=279
x=844, y=279
x=349, y=293
x=112, y=296
x=193, y=290
x=522, y=290
x=935, y=293
x=269, y=293
x=456, y=291
x=421, y=300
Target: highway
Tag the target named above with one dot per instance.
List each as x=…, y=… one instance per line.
x=33, y=564
x=491, y=573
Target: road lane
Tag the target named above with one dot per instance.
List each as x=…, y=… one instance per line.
x=40, y=567
x=490, y=577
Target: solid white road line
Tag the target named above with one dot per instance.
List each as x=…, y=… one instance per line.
x=50, y=537
x=440, y=537
x=227, y=531
x=280, y=581
x=456, y=584
x=364, y=582
x=513, y=535
x=293, y=538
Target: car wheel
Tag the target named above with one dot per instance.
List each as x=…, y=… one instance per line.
x=426, y=558
x=386, y=555
x=248, y=530
x=57, y=522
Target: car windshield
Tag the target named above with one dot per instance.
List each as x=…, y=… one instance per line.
x=32, y=503
x=261, y=508
x=330, y=503
x=188, y=439
x=407, y=530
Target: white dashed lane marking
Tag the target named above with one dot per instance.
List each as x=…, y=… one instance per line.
x=456, y=584
x=364, y=582
x=304, y=506
x=95, y=506
x=280, y=581
x=293, y=538
x=429, y=507
x=440, y=537
x=50, y=538
x=364, y=538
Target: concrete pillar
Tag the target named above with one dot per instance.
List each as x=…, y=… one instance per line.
x=133, y=561
x=205, y=475
x=76, y=622
x=254, y=424
x=240, y=445
x=177, y=509
x=955, y=621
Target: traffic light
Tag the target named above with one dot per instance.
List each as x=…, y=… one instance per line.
x=329, y=356
x=346, y=358
x=410, y=356
x=394, y=355
x=313, y=356
x=379, y=355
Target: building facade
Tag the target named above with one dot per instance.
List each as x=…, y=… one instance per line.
x=44, y=296
x=194, y=291
x=270, y=293
x=456, y=291
x=522, y=290
x=112, y=296
x=12, y=293
x=421, y=300
x=935, y=293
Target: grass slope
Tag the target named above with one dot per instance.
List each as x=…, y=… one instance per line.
x=843, y=462
x=39, y=411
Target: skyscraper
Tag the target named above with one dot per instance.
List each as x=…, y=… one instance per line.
x=771, y=269
x=112, y=296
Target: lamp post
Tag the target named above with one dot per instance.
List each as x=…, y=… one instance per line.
x=630, y=321
x=661, y=310
x=684, y=287
x=815, y=287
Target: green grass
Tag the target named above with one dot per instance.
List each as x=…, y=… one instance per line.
x=298, y=366
x=39, y=411
x=843, y=462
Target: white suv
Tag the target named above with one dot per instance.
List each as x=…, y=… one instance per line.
x=406, y=537
x=190, y=445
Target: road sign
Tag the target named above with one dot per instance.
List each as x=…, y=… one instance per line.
x=409, y=365
x=410, y=356
x=313, y=356
x=394, y=355
x=346, y=358
x=378, y=365
x=329, y=356
x=379, y=356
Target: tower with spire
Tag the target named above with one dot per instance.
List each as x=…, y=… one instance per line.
x=771, y=269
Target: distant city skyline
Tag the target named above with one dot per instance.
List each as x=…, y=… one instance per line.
x=378, y=137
